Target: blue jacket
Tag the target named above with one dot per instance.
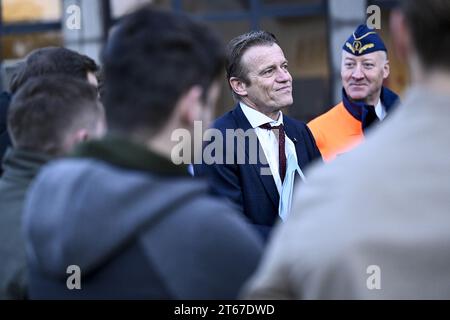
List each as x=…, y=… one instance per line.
x=254, y=194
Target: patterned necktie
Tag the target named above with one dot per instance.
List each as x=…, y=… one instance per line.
x=281, y=142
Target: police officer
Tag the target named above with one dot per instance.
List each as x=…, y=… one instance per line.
x=365, y=100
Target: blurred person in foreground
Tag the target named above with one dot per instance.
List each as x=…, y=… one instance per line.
x=375, y=224
x=121, y=212
x=47, y=117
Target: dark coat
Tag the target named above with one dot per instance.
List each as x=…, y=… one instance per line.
x=20, y=169
x=256, y=195
x=5, y=141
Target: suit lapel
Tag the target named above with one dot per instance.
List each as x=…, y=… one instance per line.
x=267, y=180
x=292, y=133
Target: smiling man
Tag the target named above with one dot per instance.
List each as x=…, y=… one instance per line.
x=365, y=101
x=258, y=75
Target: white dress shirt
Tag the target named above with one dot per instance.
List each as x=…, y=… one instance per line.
x=380, y=110
x=268, y=140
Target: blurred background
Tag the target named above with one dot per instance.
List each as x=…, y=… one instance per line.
x=311, y=33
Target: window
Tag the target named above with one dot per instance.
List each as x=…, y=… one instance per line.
x=27, y=25
x=121, y=7
x=207, y=6
x=14, y=11
x=304, y=43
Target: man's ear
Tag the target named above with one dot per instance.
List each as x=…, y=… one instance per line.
x=238, y=86
x=190, y=105
x=386, y=69
x=400, y=34
x=73, y=139
x=79, y=136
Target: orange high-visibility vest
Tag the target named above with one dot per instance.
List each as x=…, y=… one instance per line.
x=336, y=132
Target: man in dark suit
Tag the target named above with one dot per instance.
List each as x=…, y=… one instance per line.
x=258, y=75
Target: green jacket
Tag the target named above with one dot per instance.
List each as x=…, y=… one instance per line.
x=20, y=167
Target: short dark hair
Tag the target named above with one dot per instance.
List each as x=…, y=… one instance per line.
x=46, y=109
x=150, y=60
x=238, y=46
x=429, y=22
x=52, y=60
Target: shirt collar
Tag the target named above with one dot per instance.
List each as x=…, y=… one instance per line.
x=257, y=118
x=380, y=110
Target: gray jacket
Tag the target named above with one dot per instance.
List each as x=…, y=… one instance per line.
x=20, y=167
x=133, y=234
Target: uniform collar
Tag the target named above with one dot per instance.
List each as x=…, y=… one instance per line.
x=388, y=99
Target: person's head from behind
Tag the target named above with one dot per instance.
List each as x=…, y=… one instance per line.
x=257, y=72
x=421, y=32
x=54, y=61
x=52, y=114
x=364, y=66
x=162, y=72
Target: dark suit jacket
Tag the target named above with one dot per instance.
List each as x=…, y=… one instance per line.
x=255, y=195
